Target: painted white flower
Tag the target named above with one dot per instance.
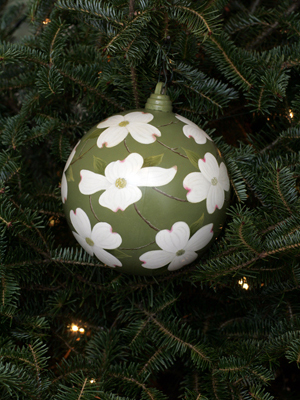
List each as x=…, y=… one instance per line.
x=118, y=127
x=178, y=248
x=208, y=184
x=64, y=183
x=122, y=180
x=95, y=240
x=193, y=130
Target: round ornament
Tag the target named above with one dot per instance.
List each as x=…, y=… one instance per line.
x=145, y=191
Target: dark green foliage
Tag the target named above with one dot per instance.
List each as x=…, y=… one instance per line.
x=233, y=68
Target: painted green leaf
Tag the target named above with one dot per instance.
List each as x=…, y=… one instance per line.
x=69, y=174
x=94, y=134
x=193, y=157
x=153, y=160
x=99, y=165
x=119, y=254
x=197, y=225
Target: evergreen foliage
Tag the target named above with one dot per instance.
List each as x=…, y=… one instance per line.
x=197, y=333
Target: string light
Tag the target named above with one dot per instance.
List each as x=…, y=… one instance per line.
x=47, y=20
x=243, y=283
x=291, y=114
x=92, y=381
x=53, y=221
x=74, y=328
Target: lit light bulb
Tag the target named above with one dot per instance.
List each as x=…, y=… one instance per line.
x=74, y=328
x=47, y=20
x=81, y=330
x=291, y=114
x=243, y=283
x=92, y=381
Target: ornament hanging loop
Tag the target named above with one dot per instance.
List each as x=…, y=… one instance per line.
x=160, y=88
x=158, y=101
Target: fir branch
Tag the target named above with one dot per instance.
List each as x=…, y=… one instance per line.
x=140, y=330
x=198, y=92
x=73, y=371
x=52, y=213
x=230, y=63
x=135, y=86
x=281, y=194
x=194, y=13
x=92, y=89
x=90, y=9
x=260, y=98
x=136, y=382
x=32, y=225
x=82, y=389
x=168, y=333
x=65, y=342
x=131, y=8
x=122, y=33
x=53, y=42
x=240, y=231
x=214, y=384
x=152, y=359
x=254, y=5
x=274, y=26
x=36, y=364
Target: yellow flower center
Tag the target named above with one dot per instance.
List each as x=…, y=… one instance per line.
x=123, y=123
x=180, y=252
x=120, y=183
x=214, y=181
x=89, y=241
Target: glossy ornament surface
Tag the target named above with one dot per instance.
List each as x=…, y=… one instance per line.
x=146, y=191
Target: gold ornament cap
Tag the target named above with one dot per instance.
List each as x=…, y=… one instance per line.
x=158, y=101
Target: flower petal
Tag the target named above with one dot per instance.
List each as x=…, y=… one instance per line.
x=112, y=136
x=83, y=243
x=180, y=261
x=185, y=120
x=223, y=177
x=106, y=257
x=215, y=198
x=111, y=121
x=64, y=188
x=201, y=238
x=209, y=167
x=91, y=182
x=125, y=168
x=143, y=133
x=156, y=259
x=138, y=116
x=81, y=222
x=119, y=199
x=175, y=239
x=153, y=176
x=197, y=187
x=70, y=158
x=103, y=236
x=196, y=133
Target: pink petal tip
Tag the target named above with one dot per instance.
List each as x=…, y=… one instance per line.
x=188, y=189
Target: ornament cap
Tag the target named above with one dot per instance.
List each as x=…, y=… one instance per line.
x=158, y=101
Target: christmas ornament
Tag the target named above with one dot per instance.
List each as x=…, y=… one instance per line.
x=145, y=191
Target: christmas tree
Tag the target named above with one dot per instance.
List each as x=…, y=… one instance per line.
x=226, y=326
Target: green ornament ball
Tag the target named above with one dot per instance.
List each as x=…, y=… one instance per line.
x=146, y=191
